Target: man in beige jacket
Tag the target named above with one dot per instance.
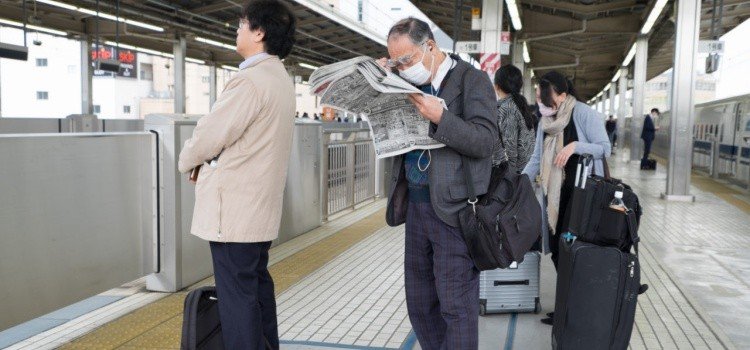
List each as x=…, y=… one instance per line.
x=243, y=147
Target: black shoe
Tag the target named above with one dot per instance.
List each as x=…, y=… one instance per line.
x=551, y=314
x=548, y=321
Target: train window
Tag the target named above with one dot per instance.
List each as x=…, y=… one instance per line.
x=747, y=126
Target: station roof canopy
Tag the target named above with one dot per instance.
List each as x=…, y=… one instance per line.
x=323, y=35
x=588, y=40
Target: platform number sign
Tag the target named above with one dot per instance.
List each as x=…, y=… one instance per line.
x=468, y=46
x=710, y=46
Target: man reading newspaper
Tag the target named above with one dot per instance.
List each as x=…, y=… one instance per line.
x=429, y=189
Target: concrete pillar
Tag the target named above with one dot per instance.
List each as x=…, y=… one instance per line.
x=528, y=87
x=179, y=49
x=612, y=90
x=212, y=84
x=639, y=86
x=492, y=25
x=683, y=103
x=622, y=111
x=87, y=73
x=518, y=55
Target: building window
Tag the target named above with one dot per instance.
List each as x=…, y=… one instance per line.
x=42, y=95
x=147, y=71
x=41, y=62
x=205, y=79
x=97, y=109
x=126, y=109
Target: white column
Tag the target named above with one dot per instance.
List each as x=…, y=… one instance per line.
x=622, y=111
x=683, y=103
x=639, y=77
x=492, y=25
x=612, y=90
x=179, y=48
x=212, y=84
x=87, y=72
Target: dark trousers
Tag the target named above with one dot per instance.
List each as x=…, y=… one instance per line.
x=247, y=306
x=647, y=148
x=442, y=284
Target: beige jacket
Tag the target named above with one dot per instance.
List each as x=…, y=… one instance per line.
x=252, y=121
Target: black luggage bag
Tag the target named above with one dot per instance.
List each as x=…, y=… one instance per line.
x=648, y=164
x=201, y=327
x=597, y=290
x=591, y=218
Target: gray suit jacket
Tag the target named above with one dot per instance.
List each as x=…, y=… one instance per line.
x=468, y=128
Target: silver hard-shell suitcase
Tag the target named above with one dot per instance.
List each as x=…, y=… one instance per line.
x=515, y=289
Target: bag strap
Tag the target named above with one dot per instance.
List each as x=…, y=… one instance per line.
x=465, y=164
x=606, y=168
x=633, y=229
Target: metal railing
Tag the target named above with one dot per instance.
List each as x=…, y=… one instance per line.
x=349, y=169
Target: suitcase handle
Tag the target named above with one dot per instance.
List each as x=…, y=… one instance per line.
x=511, y=283
x=584, y=161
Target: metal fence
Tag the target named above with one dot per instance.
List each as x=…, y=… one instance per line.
x=350, y=169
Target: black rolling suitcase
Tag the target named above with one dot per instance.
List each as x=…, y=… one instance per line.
x=201, y=328
x=597, y=291
x=598, y=279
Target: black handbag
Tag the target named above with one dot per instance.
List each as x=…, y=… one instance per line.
x=501, y=226
x=591, y=218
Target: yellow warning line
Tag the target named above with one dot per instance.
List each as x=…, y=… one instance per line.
x=159, y=324
x=719, y=189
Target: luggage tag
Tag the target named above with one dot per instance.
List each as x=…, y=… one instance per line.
x=569, y=237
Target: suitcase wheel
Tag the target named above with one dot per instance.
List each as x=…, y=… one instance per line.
x=537, y=306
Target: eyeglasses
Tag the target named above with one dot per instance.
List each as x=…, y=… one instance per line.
x=393, y=63
x=403, y=60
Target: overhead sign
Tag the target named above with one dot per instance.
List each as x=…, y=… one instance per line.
x=505, y=43
x=710, y=46
x=476, y=18
x=468, y=46
x=128, y=61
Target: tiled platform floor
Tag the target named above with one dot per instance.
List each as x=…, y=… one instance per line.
x=693, y=256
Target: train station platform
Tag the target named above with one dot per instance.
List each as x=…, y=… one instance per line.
x=341, y=285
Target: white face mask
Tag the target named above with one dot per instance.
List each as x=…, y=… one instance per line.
x=546, y=111
x=418, y=73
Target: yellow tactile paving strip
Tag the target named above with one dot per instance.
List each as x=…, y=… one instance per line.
x=722, y=191
x=158, y=325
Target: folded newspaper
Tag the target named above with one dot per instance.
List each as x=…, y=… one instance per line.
x=362, y=87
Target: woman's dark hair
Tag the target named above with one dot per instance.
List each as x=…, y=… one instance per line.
x=559, y=83
x=276, y=20
x=510, y=79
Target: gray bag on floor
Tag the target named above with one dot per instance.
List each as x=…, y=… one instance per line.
x=512, y=289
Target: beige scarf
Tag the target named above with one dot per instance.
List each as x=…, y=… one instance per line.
x=552, y=176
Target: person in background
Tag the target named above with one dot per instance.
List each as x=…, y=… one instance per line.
x=305, y=115
x=315, y=116
x=296, y=115
x=568, y=128
x=515, y=119
x=247, y=138
x=648, y=134
x=611, y=127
